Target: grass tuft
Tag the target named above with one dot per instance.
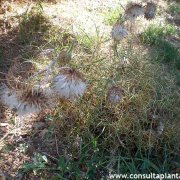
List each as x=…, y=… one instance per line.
x=112, y=15
x=174, y=8
x=154, y=33
x=156, y=36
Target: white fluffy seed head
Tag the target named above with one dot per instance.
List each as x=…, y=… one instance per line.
x=150, y=11
x=118, y=32
x=115, y=94
x=69, y=84
x=26, y=109
x=10, y=98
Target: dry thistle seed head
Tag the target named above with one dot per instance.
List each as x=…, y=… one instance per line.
x=133, y=10
x=119, y=32
x=69, y=84
x=34, y=97
x=8, y=97
x=25, y=102
x=115, y=94
x=150, y=11
x=11, y=99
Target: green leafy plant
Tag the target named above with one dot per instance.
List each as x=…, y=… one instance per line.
x=40, y=162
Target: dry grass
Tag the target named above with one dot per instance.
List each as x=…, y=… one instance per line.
x=91, y=137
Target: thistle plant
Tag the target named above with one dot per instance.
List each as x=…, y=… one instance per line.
x=69, y=84
x=133, y=11
x=150, y=10
x=26, y=96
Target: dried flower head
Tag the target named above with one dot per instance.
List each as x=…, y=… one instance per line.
x=25, y=102
x=133, y=10
x=118, y=32
x=115, y=94
x=34, y=96
x=69, y=84
x=8, y=97
x=150, y=11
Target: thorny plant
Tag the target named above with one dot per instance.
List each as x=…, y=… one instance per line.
x=126, y=122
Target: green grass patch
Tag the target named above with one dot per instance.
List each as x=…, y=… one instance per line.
x=154, y=33
x=156, y=36
x=90, y=43
x=87, y=42
x=112, y=15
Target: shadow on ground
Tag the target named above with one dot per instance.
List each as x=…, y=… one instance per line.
x=18, y=146
x=18, y=44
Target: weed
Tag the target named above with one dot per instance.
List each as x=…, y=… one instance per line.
x=121, y=138
x=154, y=33
x=39, y=163
x=170, y=53
x=90, y=138
x=84, y=167
x=87, y=42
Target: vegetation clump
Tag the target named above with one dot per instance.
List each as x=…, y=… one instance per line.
x=100, y=104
